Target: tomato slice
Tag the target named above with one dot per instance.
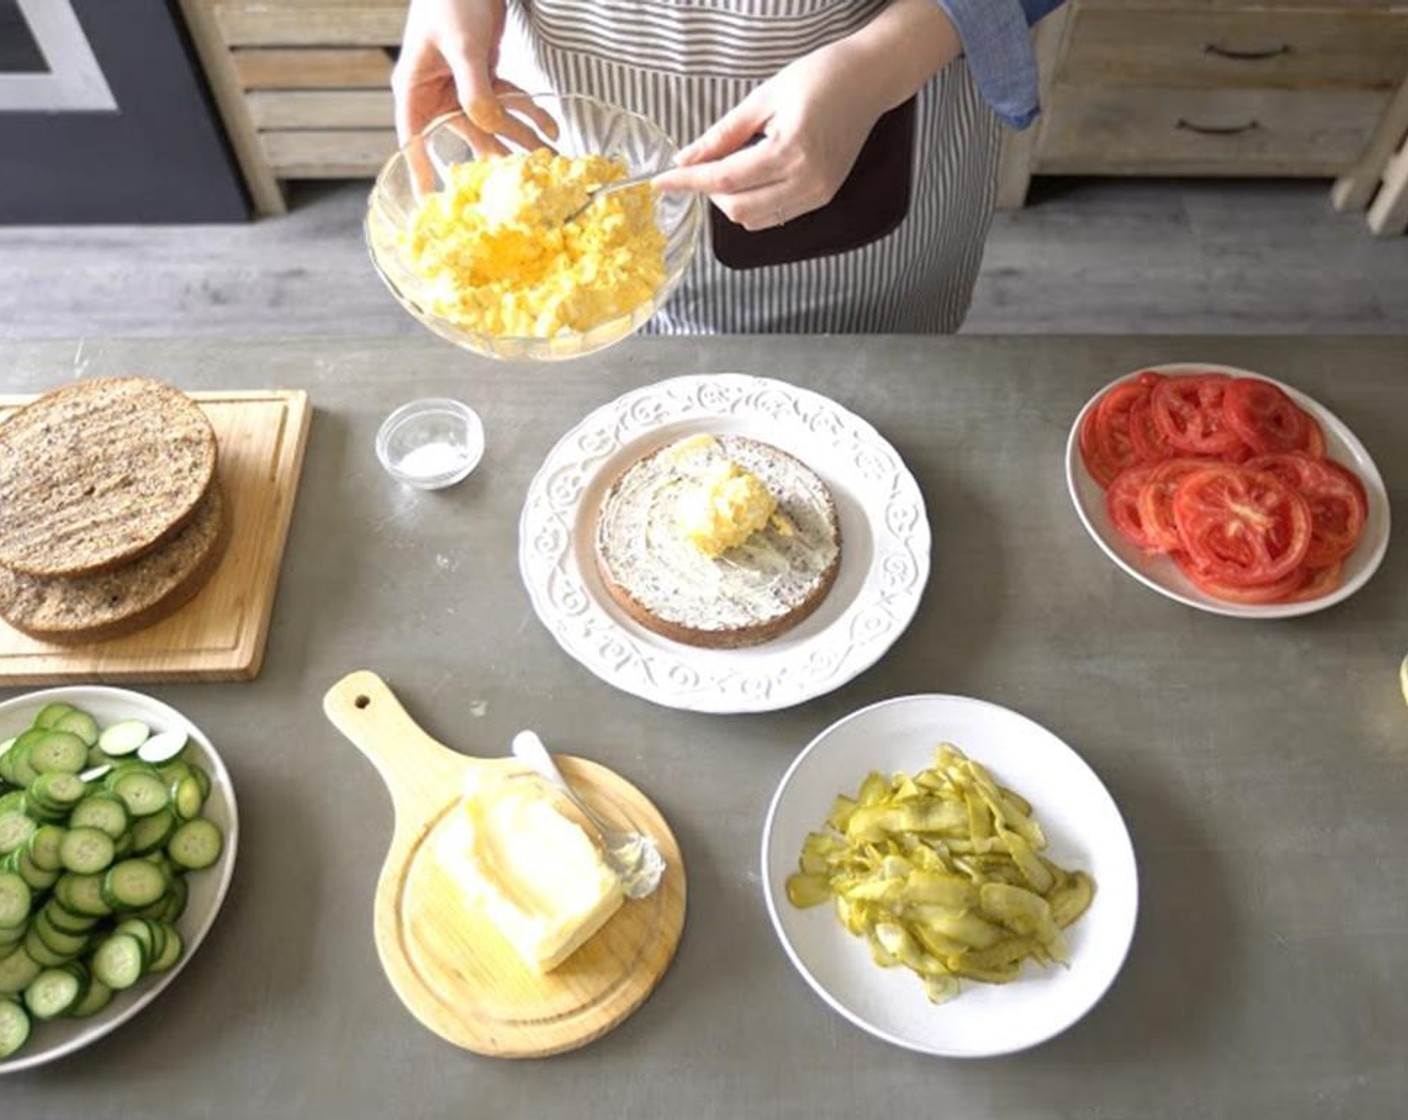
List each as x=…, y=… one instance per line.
x=1264, y=417
x=1338, y=502
x=1241, y=527
x=1278, y=591
x=1102, y=471
x=1321, y=581
x=1189, y=412
x=1122, y=502
x=1156, y=502
x=1106, y=445
x=1150, y=443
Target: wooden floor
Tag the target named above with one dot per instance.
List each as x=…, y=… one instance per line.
x=1087, y=256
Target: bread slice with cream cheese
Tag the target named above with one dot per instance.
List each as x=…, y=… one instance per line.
x=650, y=557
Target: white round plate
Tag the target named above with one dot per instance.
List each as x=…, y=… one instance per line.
x=1083, y=828
x=884, y=532
x=54, y=1039
x=1162, y=574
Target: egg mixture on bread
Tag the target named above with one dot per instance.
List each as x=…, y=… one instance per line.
x=718, y=541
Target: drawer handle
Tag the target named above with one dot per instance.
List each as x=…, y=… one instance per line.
x=1217, y=130
x=1246, y=56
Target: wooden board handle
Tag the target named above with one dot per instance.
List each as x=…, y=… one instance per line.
x=421, y=774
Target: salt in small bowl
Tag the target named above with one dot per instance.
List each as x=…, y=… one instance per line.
x=431, y=443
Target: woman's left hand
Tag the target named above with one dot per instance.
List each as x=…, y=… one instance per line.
x=810, y=121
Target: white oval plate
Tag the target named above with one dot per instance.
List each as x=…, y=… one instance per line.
x=1084, y=830
x=1162, y=574
x=54, y=1039
x=884, y=532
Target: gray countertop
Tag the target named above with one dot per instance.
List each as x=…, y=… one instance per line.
x=1262, y=768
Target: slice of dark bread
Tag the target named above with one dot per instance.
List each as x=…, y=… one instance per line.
x=750, y=594
x=99, y=472
x=71, y=609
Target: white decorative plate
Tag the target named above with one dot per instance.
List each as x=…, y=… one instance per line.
x=56, y=1038
x=1160, y=573
x=1084, y=830
x=884, y=532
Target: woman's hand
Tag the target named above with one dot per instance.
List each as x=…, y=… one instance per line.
x=449, y=58
x=812, y=118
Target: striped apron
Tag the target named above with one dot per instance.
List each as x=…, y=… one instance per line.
x=685, y=63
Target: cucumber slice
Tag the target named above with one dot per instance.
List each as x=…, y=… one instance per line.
x=58, y=749
x=176, y=900
x=97, y=997
x=65, y=920
x=16, y=899
x=51, y=712
x=37, y=951
x=52, y=993
x=172, y=951
x=142, y=792
x=162, y=747
x=15, y=830
x=16, y=759
x=17, y=972
x=196, y=844
x=65, y=944
x=44, y=847
x=82, y=894
x=101, y=810
x=14, y=801
x=198, y=772
x=8, y=743
x=78, y=723
x=14, y=1027
x=86, y=851
x=38, y=879
x=58, y=790
x=118, y=961
x=133, y=883
x=152, y=939
x=124, y=737
x=187, y=797
x=151, y=833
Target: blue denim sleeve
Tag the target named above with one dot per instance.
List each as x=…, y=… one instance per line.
x=998, y=47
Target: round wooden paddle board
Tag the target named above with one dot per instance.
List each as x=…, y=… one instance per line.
x=445, y=959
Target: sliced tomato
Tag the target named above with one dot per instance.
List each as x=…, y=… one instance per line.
x=1241, y=527
x=1122, y=502
x=1189, y=412
x=1315, y=441
x=1150, y=443
x=1156, y=502
x=1338, y=502
x=1102, y=471
x=1321, y=581
x=1264, y=417
x=1278, y=591
x=1106, y=445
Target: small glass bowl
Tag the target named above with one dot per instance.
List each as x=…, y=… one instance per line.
x=586, y=126
x=430, y=443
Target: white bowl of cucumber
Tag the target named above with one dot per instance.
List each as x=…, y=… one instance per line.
x=118, y=831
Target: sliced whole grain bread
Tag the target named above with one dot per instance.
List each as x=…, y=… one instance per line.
x=97, y=473
x=72, y=609
x=750, y=594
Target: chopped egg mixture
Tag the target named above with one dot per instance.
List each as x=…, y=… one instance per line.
x=725, y=506
x=497, y=257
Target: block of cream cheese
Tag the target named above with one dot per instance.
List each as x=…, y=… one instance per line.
x=533, y=870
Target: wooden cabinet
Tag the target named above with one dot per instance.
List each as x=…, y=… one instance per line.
x=303, y=85
x=1208, y=87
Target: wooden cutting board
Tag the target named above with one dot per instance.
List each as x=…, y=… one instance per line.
x=221, y=633
x=449, y=964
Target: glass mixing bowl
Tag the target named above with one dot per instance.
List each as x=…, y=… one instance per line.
x=586, y=126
